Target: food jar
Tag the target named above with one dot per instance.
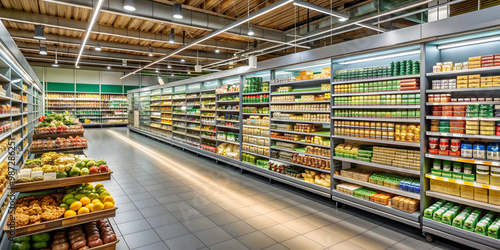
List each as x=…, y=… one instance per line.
x=493, y=151
x=479, y=151
x=455, y=147
x=444, y=144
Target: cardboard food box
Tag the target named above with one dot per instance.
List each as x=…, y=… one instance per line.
x=467, y=192
x=481, y=194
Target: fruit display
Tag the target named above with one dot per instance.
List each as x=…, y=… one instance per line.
x=36, y=241
x=54, y=120
x=36, y=209
x=59, y=143
x=85, y=198
x=54, y=165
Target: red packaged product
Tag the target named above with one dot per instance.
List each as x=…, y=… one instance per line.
x=447, y=108
x=433, y=151
x=409, y=80
x=452, y=153
x=443, y=152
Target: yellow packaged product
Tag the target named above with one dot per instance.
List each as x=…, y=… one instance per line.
x=467, y=192
x=459, y=78
x=494, y=197
x=481, y=194
x=474, y=77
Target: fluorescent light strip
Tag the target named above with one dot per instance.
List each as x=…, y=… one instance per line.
x=89, y=30
x=307, y=67
x=469, y=42
x=372, y=27
x=413, y=52
x=214, y=33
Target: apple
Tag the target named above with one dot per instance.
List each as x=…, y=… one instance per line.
x=94, y=170
x=103, y=168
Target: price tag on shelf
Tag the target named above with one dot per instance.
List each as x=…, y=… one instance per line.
x=468, y=183
x=439, y=178
x=485, y=186
x=452, y=180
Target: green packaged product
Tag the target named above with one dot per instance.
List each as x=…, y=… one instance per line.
x=493, y=229
x=448, y=216
x=459, y=220
x=439, y=213
x=484, y=223
x=471, y=221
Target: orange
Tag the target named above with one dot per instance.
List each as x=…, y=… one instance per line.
x=97, y=207
x=75, y=206
x=108, y=199
x=108, y=205
x=85, y=201
x=83, y=210
x=69, y=213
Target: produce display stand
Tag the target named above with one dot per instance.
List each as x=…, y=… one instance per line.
x=51, y=225
x=57, y=183
x=59, y=150
x=65, y=135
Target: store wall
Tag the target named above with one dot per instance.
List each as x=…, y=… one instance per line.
x=61, y=75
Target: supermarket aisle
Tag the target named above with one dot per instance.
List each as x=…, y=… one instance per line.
x=171, y=199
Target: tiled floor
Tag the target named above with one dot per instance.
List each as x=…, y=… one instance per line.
x=171, y=199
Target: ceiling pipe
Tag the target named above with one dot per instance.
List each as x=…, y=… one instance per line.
x=239, y=22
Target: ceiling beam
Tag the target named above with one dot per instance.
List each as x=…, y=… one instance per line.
x=159, y=12
x=28, y=36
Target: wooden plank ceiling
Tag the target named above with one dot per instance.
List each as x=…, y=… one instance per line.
x=281, y=19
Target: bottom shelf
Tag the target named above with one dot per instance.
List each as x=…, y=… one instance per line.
x=459, y=235
x=317, y=189
x=412, y=219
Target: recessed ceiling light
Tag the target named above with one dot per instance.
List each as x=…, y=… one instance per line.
x=98, y=47
x=183, y=60
x=109, y=67
x=217, y=50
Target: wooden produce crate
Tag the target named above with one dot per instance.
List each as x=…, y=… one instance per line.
x=47, y=226
x=57, y=183
x=58, y=150
x=65, y=135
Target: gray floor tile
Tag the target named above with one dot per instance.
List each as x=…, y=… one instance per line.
x=128, y=216
x=238, y=228
x=133, y=226
x=146, y=203
x=161, y=220
x=153, y=211
x=125, y=207
x=223, y=218
x=301, y=242
x=256, y=240
x=184, y=242
x=213, y=236
x=187, y=214
x=323, y=237
x=140, y=196
x=199, y=224
x=172, y=231
x=141, y=239
x=155, y=246
x=280, y=233
x=229, y=245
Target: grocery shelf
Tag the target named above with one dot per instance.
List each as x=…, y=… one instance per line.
x=228, y=110
x=255, y=114
x=468, y=202
x=255, y=145
x=252, y=153
x=414, y=120
x=471, y=239
x=178, y=132
x=488, y=70
x=486, y=137
x=179, y=126
x=299, y=152
x=379, y=187
x=302, y=111
x=462, y=182
x=228, y=93
x=35, y=136
x=210, y=131
x=194, y=129
x=207, y=97
x=302, y=166
x=208, y=110
x=395, y=92
x=303, y=92
x=300, y=102
x=299, y=121
x=378, y=107
x=57, y=183
x=256, y=93
x=208, y=116
x=431, y=117
x=193, y=136
x=208, y=90
x=411, y=219
x=487, y=89
x=300, y=142
x=256, y=136
x=324, y=134
x=376, y=165
x=192, y=98
x=397, y=143
x=208, y=138
x=302, y=82
x=222, y=126
x=219, y=120
x=254, y=103
x=230, y=142
x=388, y=78
x=459, y=103
x=192, y=114
x=193, y=121
x=233, y=101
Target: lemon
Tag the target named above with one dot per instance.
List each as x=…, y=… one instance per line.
x=69, y=213
x=83, y=210
x=89, y=206
x=95, y=201
x=70, y=201
x=97, y=207
x=85, y=201
x=108, y=205
x=75, y=206
x=108, y=199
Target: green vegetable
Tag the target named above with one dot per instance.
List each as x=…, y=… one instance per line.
x=40, y=245
x=21, y=246
x=74, y=172
x=85, y=171
x=62, y=174
x=21, y=239
x=41, y=237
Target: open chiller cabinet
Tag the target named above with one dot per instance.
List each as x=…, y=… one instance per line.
x=454, y=166
x=193, y=121
x=208, y=132
x=375, y=132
